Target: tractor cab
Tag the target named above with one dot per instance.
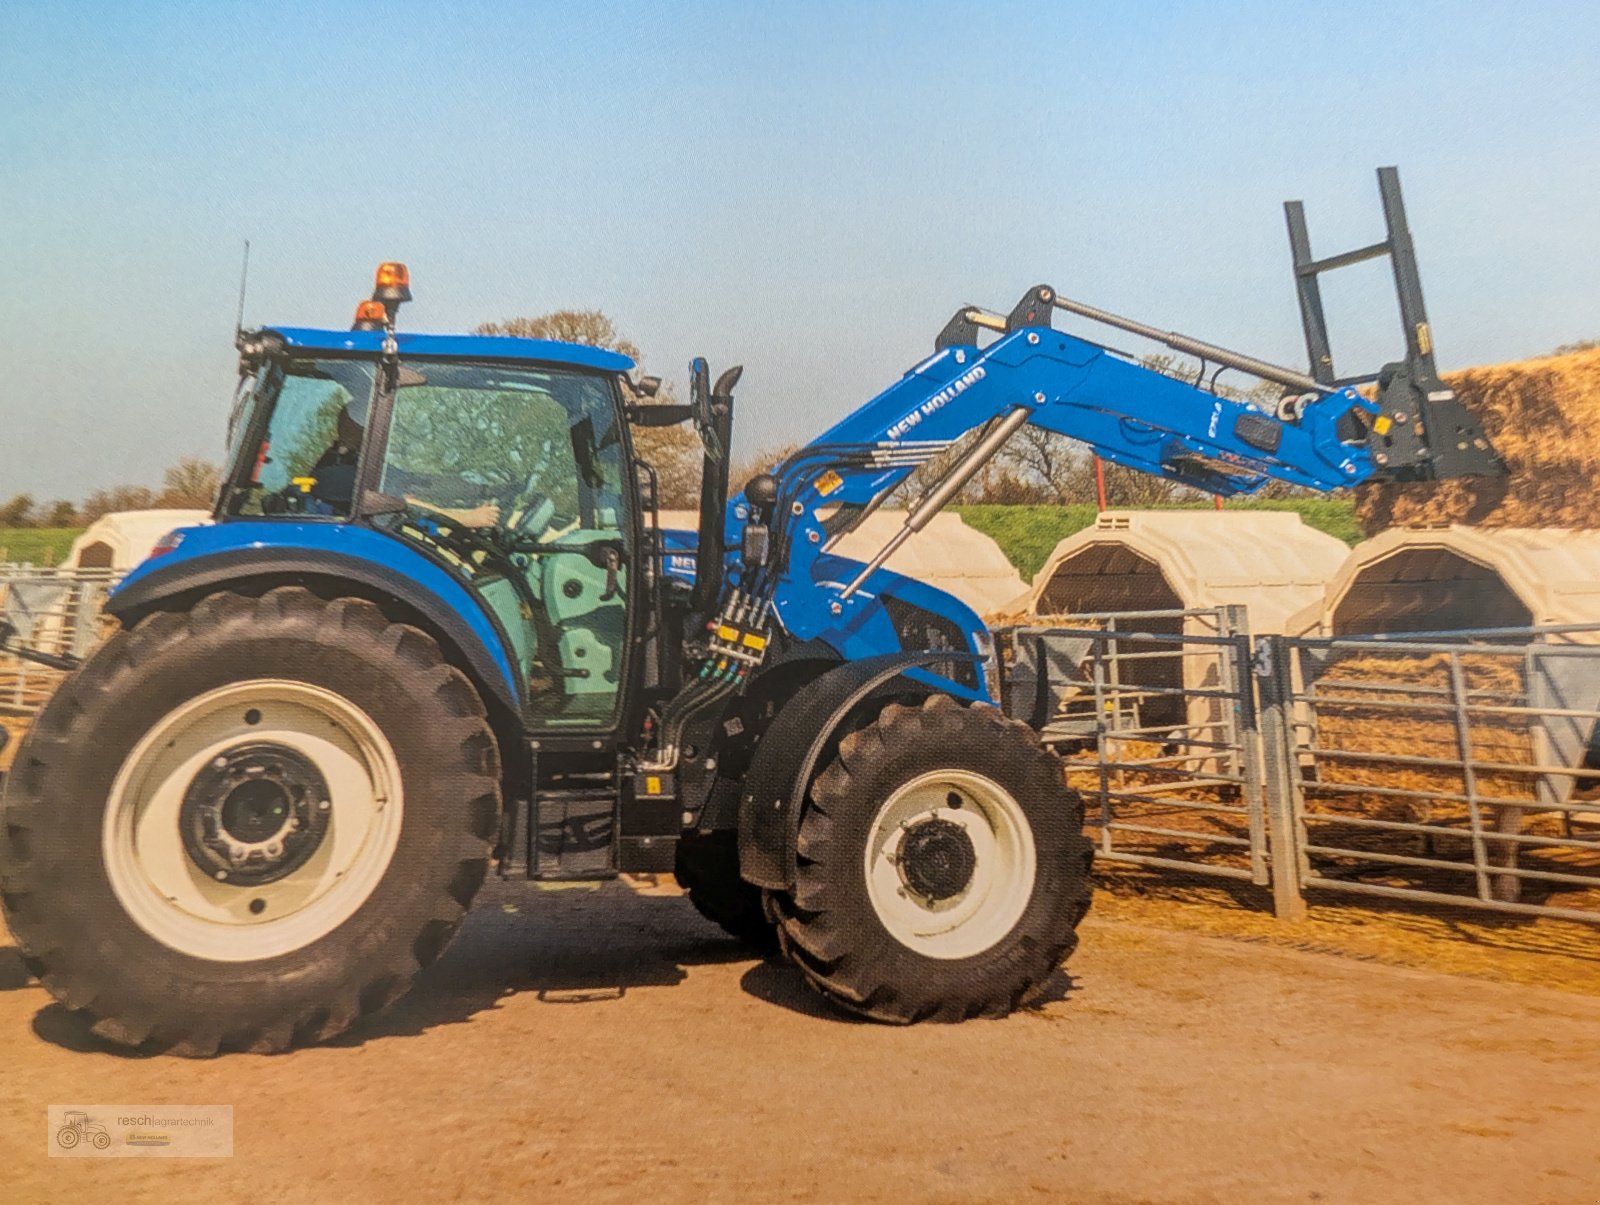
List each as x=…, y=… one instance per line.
x=504, y=462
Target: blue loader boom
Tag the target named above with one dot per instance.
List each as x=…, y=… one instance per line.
x=436, y=629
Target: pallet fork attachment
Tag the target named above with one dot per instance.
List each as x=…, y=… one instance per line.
x=1422, y=432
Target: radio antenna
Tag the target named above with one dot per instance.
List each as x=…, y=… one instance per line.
x=244, y=280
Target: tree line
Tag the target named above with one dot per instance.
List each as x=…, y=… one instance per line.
x=191, y=483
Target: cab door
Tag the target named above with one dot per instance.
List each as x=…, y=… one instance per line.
x=515, y=477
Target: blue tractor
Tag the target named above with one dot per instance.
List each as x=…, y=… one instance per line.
x=437, y=630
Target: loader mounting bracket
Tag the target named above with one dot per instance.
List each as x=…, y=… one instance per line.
x=1424, y=433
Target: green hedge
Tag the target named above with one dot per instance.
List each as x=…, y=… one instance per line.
x=1028, y=534
x=36, y=545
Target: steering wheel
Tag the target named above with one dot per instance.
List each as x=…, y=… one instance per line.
x=458, y=535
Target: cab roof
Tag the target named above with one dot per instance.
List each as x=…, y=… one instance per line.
x=491, y=347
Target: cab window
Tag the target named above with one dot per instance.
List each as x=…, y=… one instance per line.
x=305, y=461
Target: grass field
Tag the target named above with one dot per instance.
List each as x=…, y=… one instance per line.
x=36, y=545
x=1028, y=534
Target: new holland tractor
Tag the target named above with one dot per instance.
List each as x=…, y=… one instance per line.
x=436, y=629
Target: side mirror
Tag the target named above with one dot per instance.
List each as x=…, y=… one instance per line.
x=647, y=386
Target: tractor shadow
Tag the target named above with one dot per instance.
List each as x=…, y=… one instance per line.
x=577, y=946
x=776, y=982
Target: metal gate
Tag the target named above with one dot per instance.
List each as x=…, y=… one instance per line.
x=1154, y=717
x=1460, y=770
x=52, y=611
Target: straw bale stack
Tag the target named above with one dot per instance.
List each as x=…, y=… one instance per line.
x=1543, y=417
x=1427, y=727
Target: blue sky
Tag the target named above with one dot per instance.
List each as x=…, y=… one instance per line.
x=809, y=189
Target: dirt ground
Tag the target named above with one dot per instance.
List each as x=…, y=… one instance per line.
x=608, y=1044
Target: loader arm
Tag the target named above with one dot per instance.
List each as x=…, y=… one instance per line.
x=1322, y=437
x=1322, y=434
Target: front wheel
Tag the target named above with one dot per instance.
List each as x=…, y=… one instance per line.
x=942, y=868
x=246, y=825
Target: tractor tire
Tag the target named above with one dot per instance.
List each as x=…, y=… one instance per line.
x=141, y=870
x=707, y=868
x=942, y=867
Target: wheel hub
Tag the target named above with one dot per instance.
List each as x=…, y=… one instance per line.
x=255, y=814
x=937, y=859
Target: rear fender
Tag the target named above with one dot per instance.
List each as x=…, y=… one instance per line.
x=340, y=559
x=793, y=747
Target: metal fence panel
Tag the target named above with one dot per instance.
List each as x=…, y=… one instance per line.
x=1449, y=769
x=1154, y=716
x=52, y=611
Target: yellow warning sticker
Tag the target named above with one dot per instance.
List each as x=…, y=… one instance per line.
x=751, y=640
x=1382, y=425
x=652, y=785
x=828, y=482
x=727, y=633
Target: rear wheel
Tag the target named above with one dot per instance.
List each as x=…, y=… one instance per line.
x=248, y=825
x=942, y=868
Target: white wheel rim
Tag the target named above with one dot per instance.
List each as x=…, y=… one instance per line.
x=1004, y=869
x=172, y=898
